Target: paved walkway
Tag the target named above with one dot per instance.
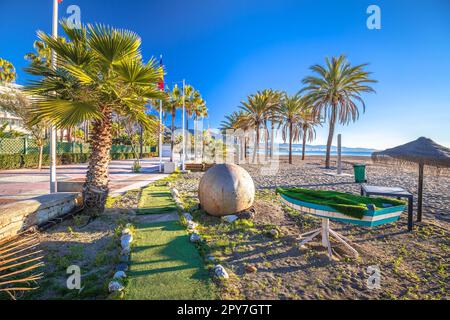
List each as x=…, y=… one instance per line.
x=23, y=184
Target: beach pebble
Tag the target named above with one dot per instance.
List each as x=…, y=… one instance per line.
x=195, y=237
x=119, y=275
x=188, y=216
x=230, y=218
x=125, y=240
x=115, y=286
x=220, y=272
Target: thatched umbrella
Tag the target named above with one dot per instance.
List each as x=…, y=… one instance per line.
x=422, y=151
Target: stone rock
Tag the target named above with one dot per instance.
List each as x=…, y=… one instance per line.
x=119, y=275
x=226, y=189
x=122, y=267
x=188, y=216
x=210, y=258
x=250, y=268
x=274, y=233
x=230, y=218
x=192, y=225
x=247, y=214
x=125, y=251
x=125, y=240
x=115, y=286
x=174, y=192
x=195, y=237
x=220, y=272
x=124, y=258
x=126, y=231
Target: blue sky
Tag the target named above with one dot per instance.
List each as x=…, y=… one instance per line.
x=229, y=49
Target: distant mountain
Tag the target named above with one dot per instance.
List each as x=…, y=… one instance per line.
x=298, y=146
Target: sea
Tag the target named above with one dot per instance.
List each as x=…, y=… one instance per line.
x=333, y=153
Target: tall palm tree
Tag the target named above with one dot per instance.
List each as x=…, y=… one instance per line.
x=308, y=127
x=272, y=116
x=200, y=112
x=171, y=105
x=290, y=113
x=335, y=91
x=107, y=77
x=256, y=108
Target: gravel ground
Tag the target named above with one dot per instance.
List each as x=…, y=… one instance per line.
x=413, y=265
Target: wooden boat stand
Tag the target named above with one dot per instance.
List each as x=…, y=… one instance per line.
x=326, y=233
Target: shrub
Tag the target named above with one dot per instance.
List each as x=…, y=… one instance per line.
x=10, y=161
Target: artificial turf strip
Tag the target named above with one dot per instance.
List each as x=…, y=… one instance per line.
x=156, y=199
x=165, y=265
x=348, y=204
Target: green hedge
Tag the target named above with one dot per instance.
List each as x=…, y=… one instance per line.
x=10, y=161
x=17, y=161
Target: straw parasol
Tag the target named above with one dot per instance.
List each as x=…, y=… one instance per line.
x=422, y=151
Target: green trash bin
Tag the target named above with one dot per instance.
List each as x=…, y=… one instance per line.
x=360, y=172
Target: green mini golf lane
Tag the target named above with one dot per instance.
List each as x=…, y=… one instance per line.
x=165, y=265
x=156, y=199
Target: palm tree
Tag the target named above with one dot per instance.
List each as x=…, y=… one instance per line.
x=199, y=112
x=335, y=92
x=308, y=127
x=290, y=113
x=171, y=105
x=7, y=71
x=107, y=77
x=256, y=108
x=271, y=115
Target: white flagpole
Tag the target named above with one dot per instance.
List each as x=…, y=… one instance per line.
x=183, y=141
x=53, y=184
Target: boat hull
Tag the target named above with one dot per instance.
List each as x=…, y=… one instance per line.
x=371, y=218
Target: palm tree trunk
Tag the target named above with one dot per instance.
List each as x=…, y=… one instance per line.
x=95, y=189
x=290, y=143
x=266, y=146
x=172, y=135
x=41, y=151
x=272, y=134
x=256, y=147
x=304, y=145
x=245, y=145
x=330, y=137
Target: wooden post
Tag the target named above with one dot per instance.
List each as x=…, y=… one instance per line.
x=420, y=193
x=339, y=163
x=325, y=232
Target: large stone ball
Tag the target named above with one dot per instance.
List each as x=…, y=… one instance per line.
x=226, y=189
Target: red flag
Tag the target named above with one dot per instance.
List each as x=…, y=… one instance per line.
x=60, y=1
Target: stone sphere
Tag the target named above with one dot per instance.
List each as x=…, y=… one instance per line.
x=226, y=189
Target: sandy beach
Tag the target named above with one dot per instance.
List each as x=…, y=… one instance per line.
x=310, y=173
